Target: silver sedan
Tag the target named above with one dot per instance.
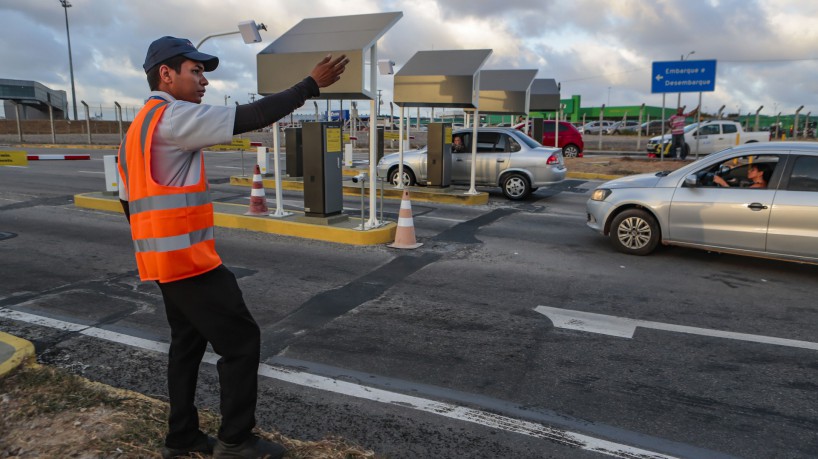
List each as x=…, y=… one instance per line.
x=755, y=199
x=506, y=158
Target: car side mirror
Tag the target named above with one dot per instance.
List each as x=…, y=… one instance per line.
x=692, y=180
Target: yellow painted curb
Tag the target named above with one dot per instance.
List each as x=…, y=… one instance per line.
x=417, y=194
x=382, y=235
x=285, y=226
x=23, y=353
x=592, y=176
x=90, y=202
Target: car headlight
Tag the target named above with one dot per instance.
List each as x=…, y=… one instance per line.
x=600, y=194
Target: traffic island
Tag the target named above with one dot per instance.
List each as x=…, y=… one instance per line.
x=228, y=215
x=448, y=195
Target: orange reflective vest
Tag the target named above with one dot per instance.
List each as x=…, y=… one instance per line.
x=171, y=227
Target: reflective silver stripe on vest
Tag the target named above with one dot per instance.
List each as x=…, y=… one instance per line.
x=146, y=123
x=169, y=201
x=168, y=244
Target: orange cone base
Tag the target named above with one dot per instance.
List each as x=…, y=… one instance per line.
x=401, y=245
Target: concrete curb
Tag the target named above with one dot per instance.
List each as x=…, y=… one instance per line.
x=14, y=352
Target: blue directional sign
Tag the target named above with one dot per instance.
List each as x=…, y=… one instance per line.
x=683, y=76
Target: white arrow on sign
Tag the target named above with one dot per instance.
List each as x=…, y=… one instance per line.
x=659, y=77
x=625, y=328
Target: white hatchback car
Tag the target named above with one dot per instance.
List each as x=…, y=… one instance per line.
x=774, y=216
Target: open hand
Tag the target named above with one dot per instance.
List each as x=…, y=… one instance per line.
x=329, y=71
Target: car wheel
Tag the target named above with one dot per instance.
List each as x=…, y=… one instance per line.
x=516, y=186
x=634, y=232
x=570, y=151
x=408, y=177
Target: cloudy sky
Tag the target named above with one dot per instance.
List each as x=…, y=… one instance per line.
x=601, y=50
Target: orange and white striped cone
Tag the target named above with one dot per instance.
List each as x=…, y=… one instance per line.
x=405, y=234
x=258, y=202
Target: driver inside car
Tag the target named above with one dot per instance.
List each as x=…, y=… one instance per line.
x=758, y=175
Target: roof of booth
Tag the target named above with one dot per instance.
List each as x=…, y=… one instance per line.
x=445, y=78
x=545, y=95
x=505, y=91
x=293, y=55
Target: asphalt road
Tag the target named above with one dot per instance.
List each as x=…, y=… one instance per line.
x=442, y=351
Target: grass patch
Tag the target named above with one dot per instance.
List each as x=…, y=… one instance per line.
x=47, y=412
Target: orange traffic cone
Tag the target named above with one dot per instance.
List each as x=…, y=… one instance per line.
x=405, y=234
x=258, y=203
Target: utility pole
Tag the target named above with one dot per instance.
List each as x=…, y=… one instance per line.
x=252, y=97
x=225, y=99
x=66, y=4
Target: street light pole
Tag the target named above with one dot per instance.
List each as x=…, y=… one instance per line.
x=66, y=4
x=679, y=98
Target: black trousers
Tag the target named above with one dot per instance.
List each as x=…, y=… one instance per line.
x=677, y=148
x=202, y=309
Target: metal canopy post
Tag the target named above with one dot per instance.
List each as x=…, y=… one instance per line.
x=400, y=151
x=373, y=137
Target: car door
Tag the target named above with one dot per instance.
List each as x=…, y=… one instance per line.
x=793, y=228
x=492, y=157
x=727, y=138
x=548, y=134
x=461, y=162
x=728, y=217
x=706, y=137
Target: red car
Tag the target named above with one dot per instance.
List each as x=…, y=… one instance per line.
x=570, y=139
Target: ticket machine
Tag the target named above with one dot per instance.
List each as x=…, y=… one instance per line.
x=322, y=150
x=439, y=154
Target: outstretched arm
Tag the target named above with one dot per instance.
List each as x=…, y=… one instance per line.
x=272, y=108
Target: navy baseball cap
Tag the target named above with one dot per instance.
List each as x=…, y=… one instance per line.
x=164, y=48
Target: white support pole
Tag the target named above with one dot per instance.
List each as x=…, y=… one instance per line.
x=664, y=125
x=400, y=150
x=277, y=170
x=699, y=122
x=472, y=189
x=373, y=139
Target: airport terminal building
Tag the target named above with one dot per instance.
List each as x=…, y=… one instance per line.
x=30, y=100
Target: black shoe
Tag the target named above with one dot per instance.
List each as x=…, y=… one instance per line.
x=203, y=445
x=252, y=448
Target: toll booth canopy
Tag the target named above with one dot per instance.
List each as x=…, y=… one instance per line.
x=505, y=91
x=449, y=78
x=293, y=55
x=545, y=95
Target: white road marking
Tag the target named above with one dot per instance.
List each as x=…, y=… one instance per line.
x=92, y=172
x=448, y=410
x=227, y=167
x=625, y=328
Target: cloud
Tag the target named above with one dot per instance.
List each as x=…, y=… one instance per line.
x=598, y=49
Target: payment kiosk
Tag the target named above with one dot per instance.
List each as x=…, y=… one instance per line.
x=439, y=154
x=322, y=152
